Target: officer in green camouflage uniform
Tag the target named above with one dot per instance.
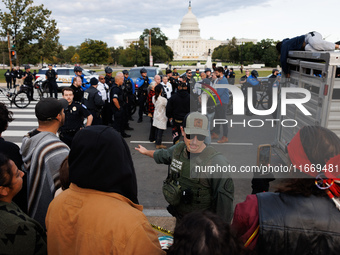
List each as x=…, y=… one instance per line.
x=184, y=189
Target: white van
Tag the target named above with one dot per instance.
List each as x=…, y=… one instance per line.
x=65, y=75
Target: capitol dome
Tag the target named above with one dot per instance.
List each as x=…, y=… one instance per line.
x=189, y=26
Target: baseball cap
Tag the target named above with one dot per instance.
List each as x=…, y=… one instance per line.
x=196, y=124
x=49, y=64
x=168, y=71
x=207, y=70
x=275, y=70
x=49, y=108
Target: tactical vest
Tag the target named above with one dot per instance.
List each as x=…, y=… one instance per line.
x=184, y=193
x=127, y=86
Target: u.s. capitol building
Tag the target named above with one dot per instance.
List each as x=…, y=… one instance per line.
x=190, y=45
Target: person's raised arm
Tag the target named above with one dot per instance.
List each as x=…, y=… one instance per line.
x=145, y=151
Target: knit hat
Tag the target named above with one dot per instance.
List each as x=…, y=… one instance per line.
x=94, y=81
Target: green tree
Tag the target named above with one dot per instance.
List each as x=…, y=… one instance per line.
x=134, y=55
x=35, y=33
x=115, y=54
x=65, y=56
x=93, y=51
x=75, y=59
x=158, y=38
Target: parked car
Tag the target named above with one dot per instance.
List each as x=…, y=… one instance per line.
x=134, y=72
x=65, y=76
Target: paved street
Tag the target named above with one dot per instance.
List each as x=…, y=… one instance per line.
x=241, y=150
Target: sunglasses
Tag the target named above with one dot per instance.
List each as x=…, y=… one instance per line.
x=192, y=136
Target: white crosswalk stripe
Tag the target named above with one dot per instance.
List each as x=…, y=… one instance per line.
x=24, y=121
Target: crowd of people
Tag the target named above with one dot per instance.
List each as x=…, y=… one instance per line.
x=79, y=201
x=61, y=193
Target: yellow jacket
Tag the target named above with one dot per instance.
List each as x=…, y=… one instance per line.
x=86, y=221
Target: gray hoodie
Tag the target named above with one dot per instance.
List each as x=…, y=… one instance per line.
x=42, y=154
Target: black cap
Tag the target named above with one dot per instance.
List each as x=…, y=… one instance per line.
x=94, y=81
x=49, y=108
x=49, y=64
x=197, y=69
x=168, y=71
x=207, y=70
x=125, y=72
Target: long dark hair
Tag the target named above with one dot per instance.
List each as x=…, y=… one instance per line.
x=158, y=91
x=320, y=144
x=203, y=233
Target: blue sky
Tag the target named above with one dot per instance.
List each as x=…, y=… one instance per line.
x=112, y=21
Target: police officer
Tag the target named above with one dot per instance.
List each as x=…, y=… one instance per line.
x=186, y=190
x=117, y=102
x=78, y=71
x=51, y=76
x=74, y=117
x=109, y=80
x=28, y=81
x=143, y=83
x=94, y=102
x=78, y=91
x=128, y=88
x=172, y=80
x=8, y=79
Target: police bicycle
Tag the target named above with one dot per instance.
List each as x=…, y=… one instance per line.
x=41, y=90
x=17, y=97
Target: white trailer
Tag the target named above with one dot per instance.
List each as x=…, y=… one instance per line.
x=319, y=72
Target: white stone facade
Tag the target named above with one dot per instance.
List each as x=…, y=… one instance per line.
x=190, y=45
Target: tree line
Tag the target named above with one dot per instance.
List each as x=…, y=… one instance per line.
x=248, y=53
x=37, y=41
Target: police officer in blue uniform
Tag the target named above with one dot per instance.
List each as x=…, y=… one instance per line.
x=128, y=88
x=143, y=83
x=94, y=102
x=118, y=105
x=78, y=71
x=75, y=114
x=51, y=76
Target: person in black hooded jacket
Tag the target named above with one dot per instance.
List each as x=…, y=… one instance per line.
x=177, y=108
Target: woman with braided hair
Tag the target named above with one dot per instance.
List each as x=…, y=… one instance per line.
x=303, y=216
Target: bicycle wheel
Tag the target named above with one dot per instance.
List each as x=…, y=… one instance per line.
x=21, y=100
x=37, y=95
x=264, y=102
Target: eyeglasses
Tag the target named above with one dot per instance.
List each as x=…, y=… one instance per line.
x=190, y=73
x=192, y=136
